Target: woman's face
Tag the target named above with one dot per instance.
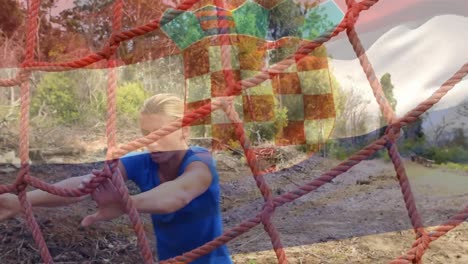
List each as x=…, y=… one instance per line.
x=166, y=147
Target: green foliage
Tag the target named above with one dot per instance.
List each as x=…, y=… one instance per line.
x=387, y=86
x=385, y=156
x=417, y=146
x=281, y=118
x=316, y=22
x=251, y=19
x=258, y=132
x=285, y=20
x=99, y=105
x=340, y=150
x=301, y=148
x=450, y=153
x=459, y=137
x=337, y=151
x=130, y=98
x=444, y=155
x=261, y=131
x=234, y=144
x=414, y=131
x=455, y=166
x=184, y=29
x=457, y=155
x=200, y=131
x=55, y=95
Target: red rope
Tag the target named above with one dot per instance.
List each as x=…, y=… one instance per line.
x=423, y=239
x=111, y=142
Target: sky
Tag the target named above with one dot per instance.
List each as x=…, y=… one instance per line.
x=388, y=14
x=383, y=8
x=393, y=12
x=383, y=12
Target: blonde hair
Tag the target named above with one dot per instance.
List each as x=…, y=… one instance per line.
x=165, y=103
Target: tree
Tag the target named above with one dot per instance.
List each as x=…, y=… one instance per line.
x=252, y=20
x=352, y=115
x=414, y=131
x=11, y=45
x=387, y=87
x=440, y=131
x=459, y=137
x=92, y=20
x=11, y=17
x=55, y=96
x=286, y=20
x=462, y=109
x=316, y=22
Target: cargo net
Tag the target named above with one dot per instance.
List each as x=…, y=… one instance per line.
x=225, y=103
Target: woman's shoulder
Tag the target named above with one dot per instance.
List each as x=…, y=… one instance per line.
x=204, y=155
x=136, y=153
x=135, y=157
x=198, y=149
x=201, y=154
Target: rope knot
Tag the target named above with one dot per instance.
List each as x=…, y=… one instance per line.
x=392, y=133
x=268, y=209
x=424, y=241
x=21, y=186
x=24, y=74
x=109, y=49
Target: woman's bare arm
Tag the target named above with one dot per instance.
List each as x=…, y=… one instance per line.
x=45, y=199
x=41, y=198
x=10, y=206
x=174, y=195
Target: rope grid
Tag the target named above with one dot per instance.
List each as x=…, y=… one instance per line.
x=110, y=170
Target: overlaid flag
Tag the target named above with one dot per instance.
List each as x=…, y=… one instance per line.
x=256, y=36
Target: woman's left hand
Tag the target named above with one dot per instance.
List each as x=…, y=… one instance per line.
x=108, y=201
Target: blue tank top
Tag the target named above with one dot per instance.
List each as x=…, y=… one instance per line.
x=191, y=226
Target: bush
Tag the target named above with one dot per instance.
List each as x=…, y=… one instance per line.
x=456, y=166
x=200, y=131
x=56, y=96
x=281, y=119
x=336, y=149
x=257, y=132
x=438, y=154
x=130, y=98
x=453, y=154
x=301, y=148
x=418, y=147
x=267, y=131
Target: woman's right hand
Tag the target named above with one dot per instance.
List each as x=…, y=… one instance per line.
x=9, y=206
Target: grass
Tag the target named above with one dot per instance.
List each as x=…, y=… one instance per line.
x=6, y=109
x=454, y=166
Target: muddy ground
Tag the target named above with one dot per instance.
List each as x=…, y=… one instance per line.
x=358, y=218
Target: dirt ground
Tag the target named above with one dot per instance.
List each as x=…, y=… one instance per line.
x=358, y=218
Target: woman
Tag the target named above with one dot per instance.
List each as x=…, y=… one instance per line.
x=179, y=188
